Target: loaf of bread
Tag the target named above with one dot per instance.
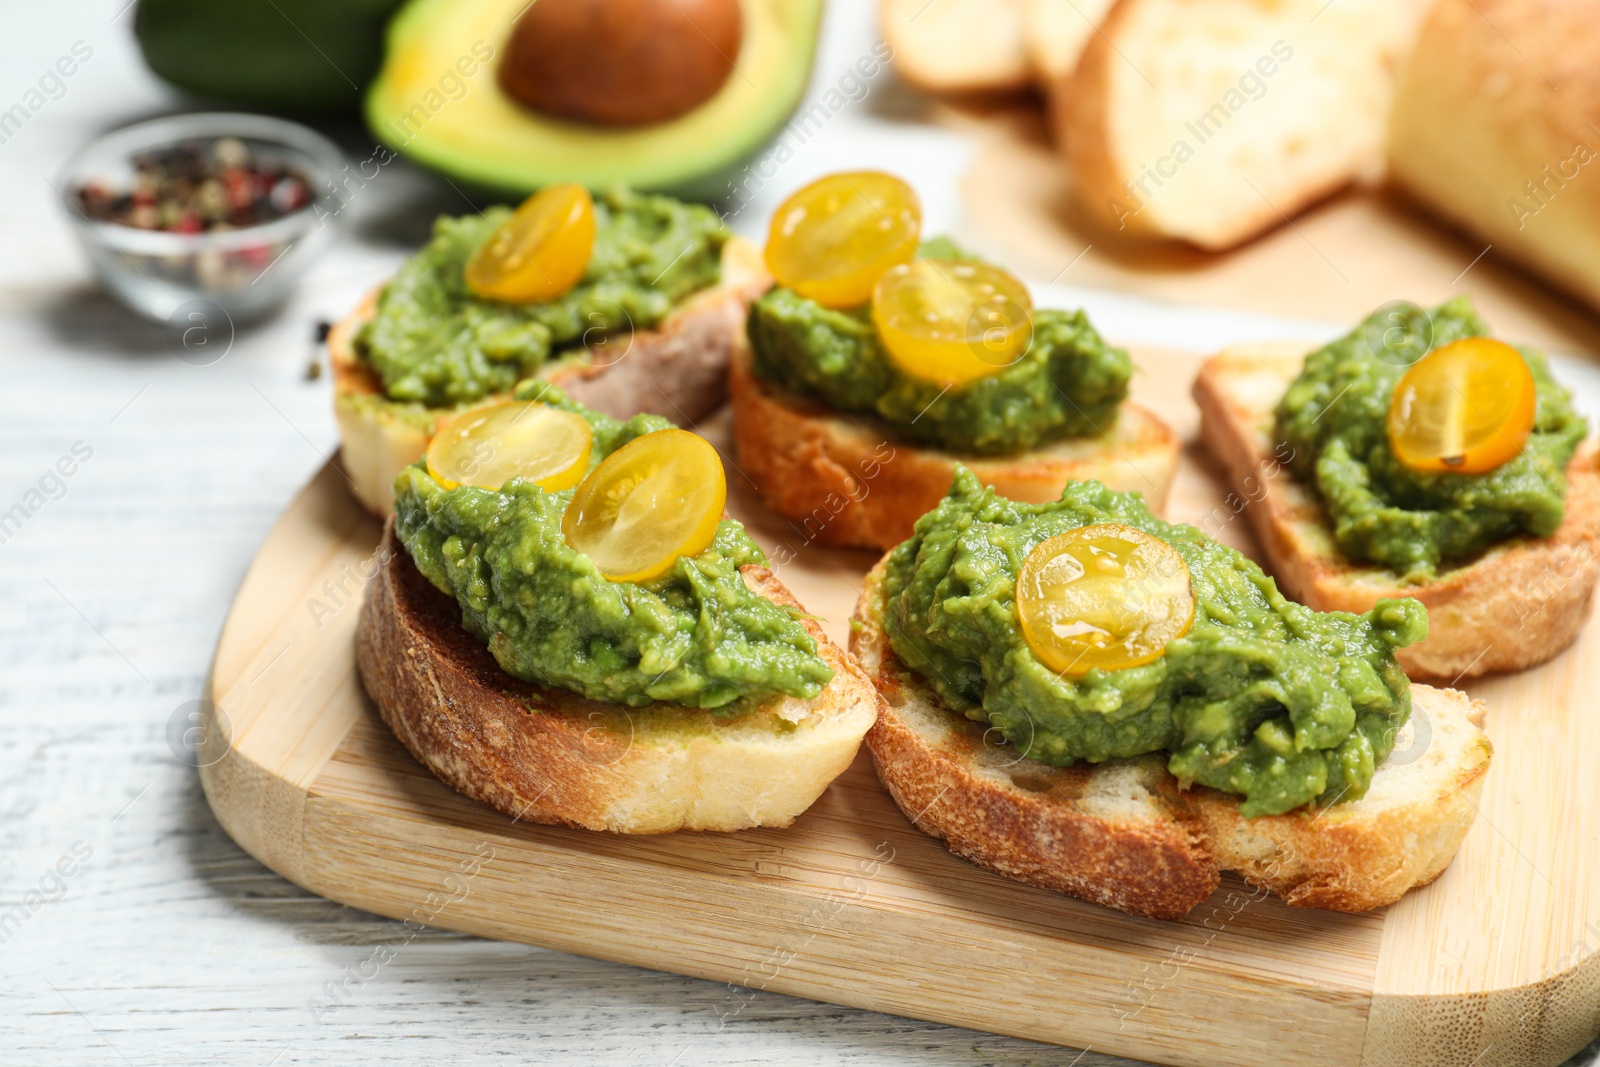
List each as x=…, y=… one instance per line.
x=1494, y=128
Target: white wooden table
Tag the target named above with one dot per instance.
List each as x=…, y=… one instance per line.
x=142, y=934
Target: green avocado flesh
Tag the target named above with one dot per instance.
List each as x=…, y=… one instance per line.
x=1262, y=697
x=437, y=100
x=697, y=636
x=434, y=342
x=1334, y=417
x=1068, y=384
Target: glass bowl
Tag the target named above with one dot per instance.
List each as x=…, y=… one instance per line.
x=246, y=271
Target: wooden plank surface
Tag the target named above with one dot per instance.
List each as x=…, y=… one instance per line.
x=854, y=905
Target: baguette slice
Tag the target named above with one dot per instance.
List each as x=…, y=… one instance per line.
x=678, y=370
x=1210, y=121
x=958, y=46
x=1124, y=835
x=550, y=756
x=1518, y=604
x=842, y=480
x=1057, y=31
x=1493, y=129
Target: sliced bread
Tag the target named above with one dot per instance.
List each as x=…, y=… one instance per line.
x=1056, y=32
x=847, y=480
x=1210, y=121
x=958, y=46
x=1518, y=604
x=1125, y=835
x=549, y=756
x=677, y=370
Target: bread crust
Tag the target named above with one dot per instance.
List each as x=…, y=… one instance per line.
x=847, y=481
x=677, y=370
x=550, y=756
x=1519, y=604
x=1125, y=835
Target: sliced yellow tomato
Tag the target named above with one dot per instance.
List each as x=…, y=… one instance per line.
x=654, y=499
x=952, y=322
x=1106, y=596
x=540, y=252
x=1467, y=407
x=488, y=446
x=831, y=240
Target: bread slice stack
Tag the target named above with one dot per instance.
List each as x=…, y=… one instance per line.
x=1519, y=604
x=1125, y=835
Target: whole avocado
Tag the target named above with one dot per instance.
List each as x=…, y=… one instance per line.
x=282, y=55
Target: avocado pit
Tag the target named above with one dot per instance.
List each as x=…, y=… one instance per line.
x=620, y=62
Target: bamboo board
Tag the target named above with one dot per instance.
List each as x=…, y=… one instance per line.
x=1497, y=962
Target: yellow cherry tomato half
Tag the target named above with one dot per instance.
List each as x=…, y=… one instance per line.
x=1106, y=596
x=952, y=322
x=488, y=446
x=1467, y=407
x=831, y=240
x=654, y=499
x=540, y=252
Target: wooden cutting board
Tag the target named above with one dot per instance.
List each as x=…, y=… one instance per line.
x=1497, y=962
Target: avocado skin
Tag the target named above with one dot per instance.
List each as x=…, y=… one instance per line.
x=296, y=56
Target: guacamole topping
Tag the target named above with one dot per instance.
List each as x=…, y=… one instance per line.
x=434, y=342
x=697, y=636
x=1333, y=417
x=1068, y=382
x=1262, y=697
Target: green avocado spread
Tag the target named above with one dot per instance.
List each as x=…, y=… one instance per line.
x=432, y=341
x=1334, y=417
x=1068, y=383
x=696, y=636
x=1262, y=697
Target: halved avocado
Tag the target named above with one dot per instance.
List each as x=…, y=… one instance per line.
x=427, y=105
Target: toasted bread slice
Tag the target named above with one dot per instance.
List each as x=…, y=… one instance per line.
x=1518, y=604
x=847, y=480
x=550, y=756
x=1210, y=121
x=958, y=46
x=678, y=370
x=1123, y=834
